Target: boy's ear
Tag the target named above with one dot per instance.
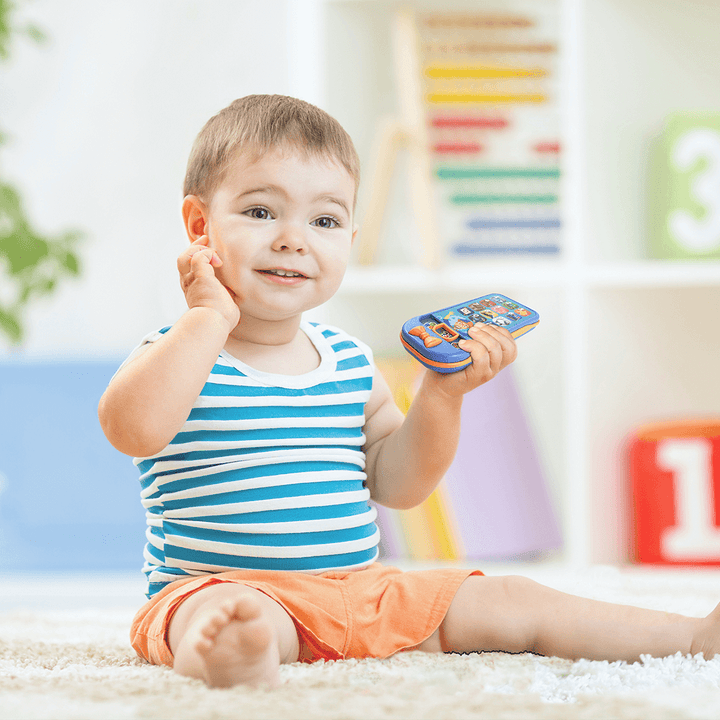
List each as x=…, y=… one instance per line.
x=354, y=235
x=195, y=217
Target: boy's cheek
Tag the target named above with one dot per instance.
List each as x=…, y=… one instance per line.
x=226, y=272
x=233, y=270
x=234, y=286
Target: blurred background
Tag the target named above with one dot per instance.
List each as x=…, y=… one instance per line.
x=563, y=152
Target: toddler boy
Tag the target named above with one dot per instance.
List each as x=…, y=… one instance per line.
x=261, y=437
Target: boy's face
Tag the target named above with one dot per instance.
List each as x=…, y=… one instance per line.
x=282, y=226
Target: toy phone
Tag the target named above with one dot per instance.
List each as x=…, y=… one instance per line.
x=433, y=338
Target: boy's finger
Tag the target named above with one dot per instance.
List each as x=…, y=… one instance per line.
x=490, y=345
x=188, y=252
x=500, y=333
x=184, y=262
x=215, y=260
x=502, y=336
x=193, y=247
x=194, y=262
x=201, y=258
x=203, y=242
x=213, y=257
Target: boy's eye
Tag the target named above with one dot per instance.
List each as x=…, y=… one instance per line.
x=327, y=222
x=258, y=213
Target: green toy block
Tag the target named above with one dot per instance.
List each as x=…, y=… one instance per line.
x=684, y=188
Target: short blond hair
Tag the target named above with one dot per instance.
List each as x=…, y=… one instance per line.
x=257, y=124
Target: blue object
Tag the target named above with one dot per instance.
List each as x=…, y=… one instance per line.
x=434, y=338
x=495, y=223
x=499, y=249
x=68, y=500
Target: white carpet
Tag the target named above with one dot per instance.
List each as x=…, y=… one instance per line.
x=64, y=655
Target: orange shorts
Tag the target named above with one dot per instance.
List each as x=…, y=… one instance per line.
x=374, y=612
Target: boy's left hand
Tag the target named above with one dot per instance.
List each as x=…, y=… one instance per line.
x=492, y=348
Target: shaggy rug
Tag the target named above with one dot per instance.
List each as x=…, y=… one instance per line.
x=64, y=655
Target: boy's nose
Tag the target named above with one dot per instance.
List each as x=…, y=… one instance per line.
x=291, y=238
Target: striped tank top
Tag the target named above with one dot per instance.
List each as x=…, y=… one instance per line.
x=268, y=471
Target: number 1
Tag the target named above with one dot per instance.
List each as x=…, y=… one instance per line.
x=695, y=535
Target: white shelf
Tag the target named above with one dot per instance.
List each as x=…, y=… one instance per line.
x=633, y=339
x=654, y=273
x=481, y=276
x=477, y=278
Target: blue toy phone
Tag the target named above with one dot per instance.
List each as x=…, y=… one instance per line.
x=433, y=338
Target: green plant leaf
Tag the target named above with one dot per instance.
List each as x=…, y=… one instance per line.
x=23, y=249
x=35, y=33
x=71, y=263
x=30, y=263
x=10, y=324
x=5, y=30
x=9, y=198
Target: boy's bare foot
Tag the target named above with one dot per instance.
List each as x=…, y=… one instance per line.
x=707, y=636
x=230, y=645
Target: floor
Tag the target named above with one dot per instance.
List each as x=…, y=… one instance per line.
x=51, y=591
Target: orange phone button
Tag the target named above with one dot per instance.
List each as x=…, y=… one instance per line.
x=421, y=332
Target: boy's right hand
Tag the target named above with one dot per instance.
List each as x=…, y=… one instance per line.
x=200, y=284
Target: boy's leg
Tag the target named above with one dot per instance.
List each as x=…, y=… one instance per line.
x=515, y=614
x=228, y=633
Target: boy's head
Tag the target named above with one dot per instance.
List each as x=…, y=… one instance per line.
x=256, y=124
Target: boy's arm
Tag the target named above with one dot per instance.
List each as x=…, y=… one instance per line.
x=406, y=459
x=149, y=399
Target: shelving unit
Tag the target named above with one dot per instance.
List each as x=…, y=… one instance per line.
x=623, y=339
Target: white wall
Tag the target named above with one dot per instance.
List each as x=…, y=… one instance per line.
x=643, y=61
x=101, y=119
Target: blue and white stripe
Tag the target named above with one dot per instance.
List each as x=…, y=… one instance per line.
x=267, y=472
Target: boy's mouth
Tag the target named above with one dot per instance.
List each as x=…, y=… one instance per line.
x=283, y=273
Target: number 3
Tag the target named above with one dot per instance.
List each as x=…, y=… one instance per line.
x=699, y=235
